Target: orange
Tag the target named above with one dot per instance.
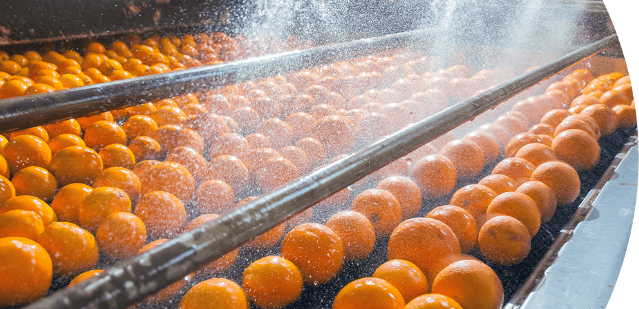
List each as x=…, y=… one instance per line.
x=85, y=276
x=499, y=133
x=4, y=167
x=536, y=154
x=605, y=117
x=117, y=155
x=230, y=170
x=372, y=293
x=139, y=125
x=622, y=81
x=519, y=141
x=577, y=148
x=67, y=201
x=554, y=117
x=314, y=149
x=13, y=88
x=460, y=221
x=190, y=159
x=247, y=118
x=407, y=193
x=435, y=175
x=627, y=116
x=424, y=150
x=356, y=233
x=275, y=172
x=546, y=140
x=213, y=196
x=433, y=301
x=222, y=263
x=474, y=198
x=258, y=140
x=35, y=131
x=171, y=136
x=473, y=284
x=121, y=178
x=278, y=132
x=145, y=148
x=267, y=239
x=372, y=127
x=297, y=156
x=626, y=89
x=168, y=115
x=72, y=249
x=543, y=196
x=512, y=124
x=63, y=141
x=336, y=134
x=163, y=214
x=85, y=122
x=428, y=243
x=169, y=291
x=194, y=110
x=146, y=109
x=272, y=282
x=75, y=164
x=504, y=240
x=404, y=276
x=102, y=133
x=486, y=143
x=219, y=292
x=35, y=181
x=26, y=150
x=316, y=250
x=229, y=144
x=561, y=178
x=170, y=177
x=466, y=156
x=381, y=208
x=27, y=202
x=519, y=206
x=301, y=124
x=25, y=272
x=21, y=223
x=614, y=97
x=100, y=203
x=121, y=235
x=518, y=169
x=574, y=122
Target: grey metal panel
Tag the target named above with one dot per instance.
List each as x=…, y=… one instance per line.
x=586, y=269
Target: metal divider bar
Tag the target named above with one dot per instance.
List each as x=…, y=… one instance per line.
x=28, y=111
x=132, y=280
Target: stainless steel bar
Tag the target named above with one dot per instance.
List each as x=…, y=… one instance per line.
x=130, y=281
x=28, y=111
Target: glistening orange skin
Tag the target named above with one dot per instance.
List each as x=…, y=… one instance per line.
x=473, y=284
x=405, y=276
x=26, y=271
x=272, y=282
x=372, y=293
x=356, y=233
x=504, y=240
x=381, y=208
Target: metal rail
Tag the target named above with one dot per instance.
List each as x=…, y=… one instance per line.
x=28, y=111
x=132, y=280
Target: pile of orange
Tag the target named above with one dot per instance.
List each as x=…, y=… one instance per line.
x=121, y=182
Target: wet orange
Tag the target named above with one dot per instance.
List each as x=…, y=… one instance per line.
x=190, y=159
x=504, y=240
x=275, y=172
x=163, y=214
x=536, y=154
x=356, y=233
x=170, y=177
x=139, y=125
x=213, y=196
x=404, y=276
x=335, y=133
x=473, y=284
x=26, y=271
x=121, y=178
x=486, y=143
x=474, y=198
x=316, y=250
x=519, y=206
x=229, y=144
x=627, y=116
x=145, y=148
x=314, y=149
x=605, y=117
x=75, y=164
x=577, y=148
x=435, y=175
x=381, y=208
x=518, y=169
x=221, y=292
x=519, y=141
x=31, y=203
x=72, y=249
x=21, y=223
x=26, y=150
x=433, y=301
x=100, y=203
x=35, y=131
x=466, y=156
x=102, y=133
x=460, y=221
x=121, y=235
x=561, y=178
x=85, y=276
x=373, y=293
x=272, y=282
x=63, y=141
x=222, y=263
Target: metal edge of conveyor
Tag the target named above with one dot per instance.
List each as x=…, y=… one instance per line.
x=131, y=281
x=588, y=241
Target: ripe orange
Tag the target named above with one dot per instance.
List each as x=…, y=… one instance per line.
x=554, y=117
x=373, y=293
x=99, y=204
x=121, y=235
x=278, y=132
x=75, y=164
x=169, y=291
x=26, y=150
x=163, y=214
x=561, y=178
x=381, y=208
x=504, y=240
x=627, y=116
x=275, y=172
x=117, y=155
x=297, y=156
x=536, y=154
x=213, y=196
x=85, y=276
x=316, y=250
x=518, y=169
x=466, y=156
x=222, y=263
x=272, y=282
x=417, y=154
x=67, y=201
x=372, y=127
x=170, y=177
x=145, y=148
x=614, y=97
x=72, y=249
x=26, y=271
x=406, y=192
x=20, y=223
x=577, y=148
x=335, y=133
x=435, y=175
x=499, y=133
x=473, y=284
x=605, y=117
x=220, y=292
x=301, y=124
x=32, y=203
x=519, y=206
x=189, y=159
x=314, y=149
x=543, y=196
x=139, y=125
x=258, y=140
x=102, y=133
x=356, y=233
x=63, y=141
x=519, y=141
x=486, y=143
x=428, y=243
x=35, y=181
x=229, y=144
x=229, y=169
x=573, y=122
x=474, y=198
x=432, y=301
x=404, y=276
x=39, y=132
x=460, y=221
